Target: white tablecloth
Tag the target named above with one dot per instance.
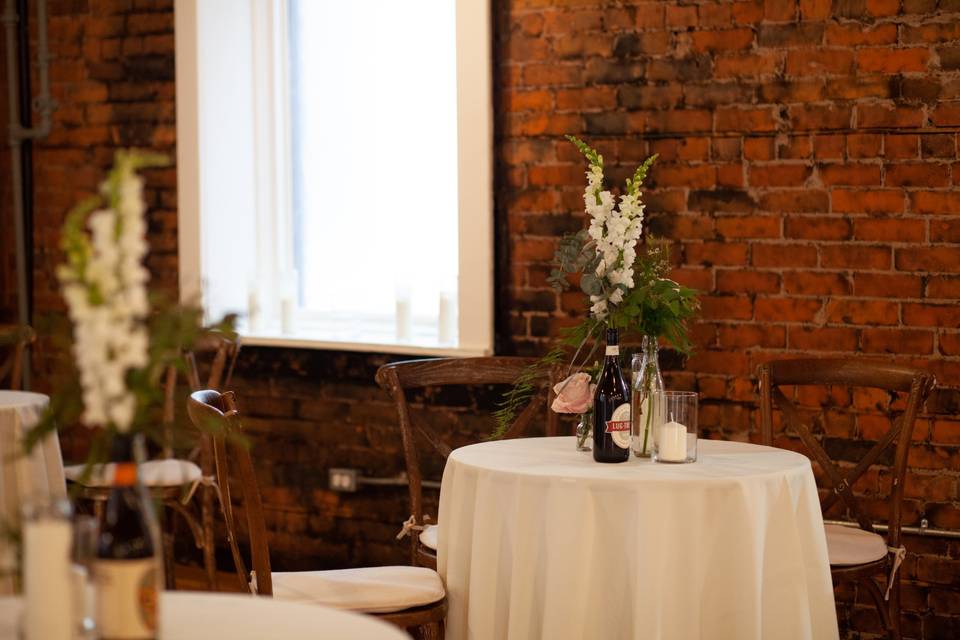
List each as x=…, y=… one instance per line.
x=38, y=476
x=186, y=615
x=537, y=540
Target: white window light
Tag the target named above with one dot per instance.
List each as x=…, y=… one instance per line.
x=335, y=171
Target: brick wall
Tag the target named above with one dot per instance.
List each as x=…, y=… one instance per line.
x=808, y=156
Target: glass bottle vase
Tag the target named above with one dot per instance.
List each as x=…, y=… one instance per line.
x=646, y=386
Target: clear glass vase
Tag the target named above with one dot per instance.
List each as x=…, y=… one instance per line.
x=585, y=432
x=647, y=384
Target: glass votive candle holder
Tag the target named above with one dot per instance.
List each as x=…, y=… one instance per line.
x=675, y=440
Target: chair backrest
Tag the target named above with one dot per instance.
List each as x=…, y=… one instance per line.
x=216, y=413
x=221, y=351
x=14, y=340
x=848, y=373
x=397, y=377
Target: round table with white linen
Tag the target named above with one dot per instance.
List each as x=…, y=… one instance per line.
x=34, y=477
x=537, y=540
x=195, y=615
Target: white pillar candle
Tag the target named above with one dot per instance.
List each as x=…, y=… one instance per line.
x=286, y=314
x=445, y=319
x=253, y=309
x=404, y=319
x=672, y=444
x=48, y=579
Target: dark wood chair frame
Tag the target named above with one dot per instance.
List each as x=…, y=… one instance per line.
x=16, y=338
x=396, y=378
x=214, y=412
x=223, y=355
x=853, y=373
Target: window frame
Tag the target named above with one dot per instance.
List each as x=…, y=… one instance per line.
x=475, y=286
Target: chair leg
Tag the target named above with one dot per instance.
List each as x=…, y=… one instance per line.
x=168, y=577
x=884, y=608
x=209, y=544
x=893, y=609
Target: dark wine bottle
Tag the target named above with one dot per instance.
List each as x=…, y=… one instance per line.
x=128, y=571
x=611, y=407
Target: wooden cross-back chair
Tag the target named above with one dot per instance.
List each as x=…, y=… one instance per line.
x=171, y=481
x=858, y=555
x=396, y=378
x=408, y=597
x=14, y=340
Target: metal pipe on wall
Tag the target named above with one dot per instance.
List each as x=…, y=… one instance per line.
x=43, y=104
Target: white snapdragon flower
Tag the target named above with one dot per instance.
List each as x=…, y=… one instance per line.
x=107, y=302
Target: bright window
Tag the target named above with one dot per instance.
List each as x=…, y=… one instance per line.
x=335, y=171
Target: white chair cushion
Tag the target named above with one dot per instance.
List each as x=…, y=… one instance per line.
x=153, y=473
x=849, y=545
x=369, y=589
x=428, y=537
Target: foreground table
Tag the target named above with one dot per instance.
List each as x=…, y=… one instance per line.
x=537, y=540
x=187, y=615
x=37, y=477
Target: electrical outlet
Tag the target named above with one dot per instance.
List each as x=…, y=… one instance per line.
x=342, y=479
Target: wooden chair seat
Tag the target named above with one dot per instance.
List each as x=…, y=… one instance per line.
x=849, y=546
x=428, y=537
x=408, y=597
x=169, y=472
x=366, y=589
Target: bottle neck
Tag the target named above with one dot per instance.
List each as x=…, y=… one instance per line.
x=125, y=474
x=123, y=454
x=613, y=343
x=650, y=347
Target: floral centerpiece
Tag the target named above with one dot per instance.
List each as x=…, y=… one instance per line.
x=623, y=276
x=124, y=337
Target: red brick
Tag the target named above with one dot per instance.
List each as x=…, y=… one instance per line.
x=551, y=175
x=758, y=149
x=939, y=202
x=828, y=146
x=740, y=65
x=817, y=117
x=891, y=229
x=917, y=174
x=853, y=174
x=694, y=177
x=681, y=16
x=884, y=60
x=794, y=148
x=949, y=343
x=728, y=39
x=862, y=201
x=795, y=201
x=781, y=175
x=897, y=341
x=784, y=255
x=786, y=309
x=748, y=226
x=815, y=283
x=822, y=338
x=931, y=315
x=854, y=257
x=725, y=362
x=880, y=117
x=945, y=231
x=751, y=336
x=803, y=62
x=943, y=287
x=902, y=147
x=747, y=11
x=528, y=100
x=864, y=145
x=930, y=259
x=650, y=15
x=863, y=311
x=817, y=228
x=726, y=253
x=854, y=34
x=887, y=285
x=726, y=307
x=947, y=114
x=740, y=281
x=586, y=99
x=748, y=120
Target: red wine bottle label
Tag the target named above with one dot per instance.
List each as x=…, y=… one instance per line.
x=613, y=350
x=618, y=426
x=126, y=598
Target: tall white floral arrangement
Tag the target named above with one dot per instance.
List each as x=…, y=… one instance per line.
x=104, y=284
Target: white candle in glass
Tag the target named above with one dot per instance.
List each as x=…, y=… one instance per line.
x=672, y=442
x=48, y=578
x=445, y=319
x=253, y=308
x=404, y=314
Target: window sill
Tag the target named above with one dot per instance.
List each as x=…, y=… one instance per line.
x=305, y=342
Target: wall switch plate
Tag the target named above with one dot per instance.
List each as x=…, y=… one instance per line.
x=342, y=479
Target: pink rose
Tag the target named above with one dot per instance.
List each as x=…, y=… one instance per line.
x=574, y=395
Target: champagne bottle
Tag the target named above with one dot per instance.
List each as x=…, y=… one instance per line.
x=128, y=571
x=611, y=407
